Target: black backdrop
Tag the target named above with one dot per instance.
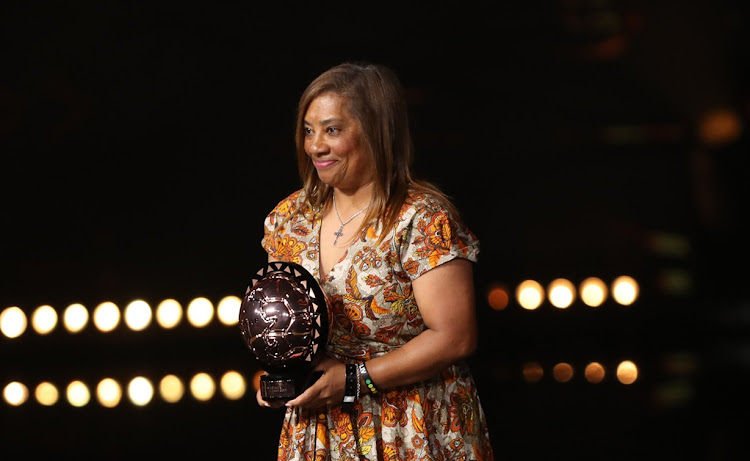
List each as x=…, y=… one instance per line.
x=143, y=142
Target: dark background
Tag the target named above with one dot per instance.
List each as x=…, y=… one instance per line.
x=143, y=143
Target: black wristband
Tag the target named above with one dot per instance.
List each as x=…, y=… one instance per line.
x=350, y=389
x=368, y=379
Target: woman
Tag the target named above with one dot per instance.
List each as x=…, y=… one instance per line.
x=396, y=264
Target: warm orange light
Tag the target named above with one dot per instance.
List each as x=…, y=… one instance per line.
x=594, y=372
x=532, y=372
x=256, y=379
x=719, y=126
x=627, y=372
x=562, y=372
x=498, y=297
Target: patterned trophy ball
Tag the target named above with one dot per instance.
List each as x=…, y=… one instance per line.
x=277, y=322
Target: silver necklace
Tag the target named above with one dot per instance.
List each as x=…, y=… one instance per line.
x=340, y=232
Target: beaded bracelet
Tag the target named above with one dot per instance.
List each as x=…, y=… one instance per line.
x=350, y=389
x=367, y=378
x=359, y=378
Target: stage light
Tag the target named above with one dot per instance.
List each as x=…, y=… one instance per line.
x=625, y=290
x=562, y=372
x=75, y=318
x=202, y=387
x=593, y=291
x=561, y=293
x=138, y=315
x=171, y=389
x=532, y=372
x=169, y=313
x=256, y=379
x=530, y=294
x=200, y=312
x=228, y=310
x=44, y=319
x=15, y=393
x=108, y=392
x=627, y=372
x=140, y=391
x=13, y=322
x=233, y=385
x=78, y=393
x=106, y=316
x=46, y=393
x=498, y=297
x=594, y=372
x=719, y=127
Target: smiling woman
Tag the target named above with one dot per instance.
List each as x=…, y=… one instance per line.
x=396, y=262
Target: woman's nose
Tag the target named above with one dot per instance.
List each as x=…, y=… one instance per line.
x=316, y=145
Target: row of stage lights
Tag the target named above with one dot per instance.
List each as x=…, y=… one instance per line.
x=561, y=293
x=141, y=391
x=107, y=316
x=138, y=314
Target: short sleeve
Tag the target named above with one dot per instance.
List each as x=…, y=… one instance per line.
x=434, y=237
x=274, y=223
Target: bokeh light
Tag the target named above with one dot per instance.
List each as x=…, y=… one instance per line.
x=75, y=317
x=106, y=316
x=202, y=387
x=108, y=392
x=13, y=322
x=140, y=391
x=561, y=293
x=228, y=310
x=530, y=294
x=169, y=313
x=44, y=319
x=46, y=393
x=171, y=388
x=627, y=372
x=625, y=290
x=138, y=315
x=200, y=312
x=593, y=291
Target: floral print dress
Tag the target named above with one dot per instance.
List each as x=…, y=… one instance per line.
x=373, y=311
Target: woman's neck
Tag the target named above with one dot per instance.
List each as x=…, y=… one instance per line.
x=355, y=199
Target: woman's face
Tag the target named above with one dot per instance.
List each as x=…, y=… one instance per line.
x=335, y=143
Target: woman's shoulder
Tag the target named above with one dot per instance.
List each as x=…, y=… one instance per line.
x=418, y=203
x=430, y=226
x=290, y=203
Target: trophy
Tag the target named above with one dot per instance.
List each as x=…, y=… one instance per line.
x=284, y=319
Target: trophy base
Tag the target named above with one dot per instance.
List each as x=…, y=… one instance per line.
x=285, y=387
x=277, y=388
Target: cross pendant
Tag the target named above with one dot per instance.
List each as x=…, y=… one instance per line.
x=338, y=234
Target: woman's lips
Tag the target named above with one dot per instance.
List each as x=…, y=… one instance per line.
x=323, y=164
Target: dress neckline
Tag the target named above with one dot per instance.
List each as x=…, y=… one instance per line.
x=324, y=276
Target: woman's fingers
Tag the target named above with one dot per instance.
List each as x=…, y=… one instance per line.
x=267, y=404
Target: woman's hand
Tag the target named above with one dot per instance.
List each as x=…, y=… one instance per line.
x=327, y=390
x=265, y=403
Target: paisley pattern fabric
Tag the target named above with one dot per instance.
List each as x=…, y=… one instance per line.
x=373, y=311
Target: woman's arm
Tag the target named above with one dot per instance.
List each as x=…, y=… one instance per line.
x=445, y=296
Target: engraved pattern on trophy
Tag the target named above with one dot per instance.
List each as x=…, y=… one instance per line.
x=284, y=322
